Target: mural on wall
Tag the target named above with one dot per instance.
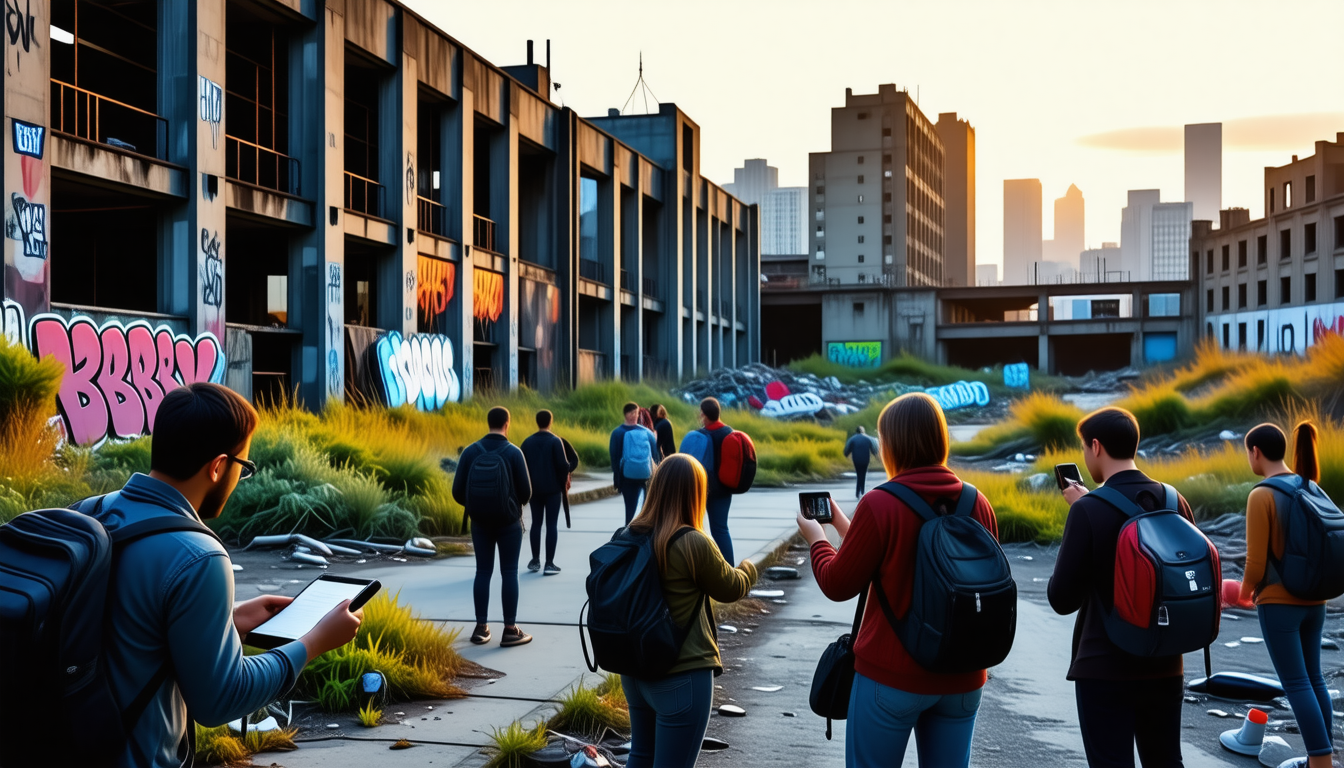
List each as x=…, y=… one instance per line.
x=212, y=108
x=487, y=295
x=1017, y=376
x=1288, y=329
x=434, y=289
x=855, y=354
x=21, y=25
x=335, y=328
x=116, y=375
x=960, y=394
x=417, y=369
x=212, y=272
x=25, y=216
x=539, y=308
x=410, y=179
x=12, y=326
x=780, y=403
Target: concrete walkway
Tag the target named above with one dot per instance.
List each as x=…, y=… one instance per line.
x=548, y=609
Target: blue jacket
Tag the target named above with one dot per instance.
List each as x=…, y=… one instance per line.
x=616, y=447
x=174, y=601
x=859, y=446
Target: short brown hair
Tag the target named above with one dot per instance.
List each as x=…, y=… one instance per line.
x=628, y=407
x=497, y=417
x=912, y=432
x=710, y=407
x=1115, y=428
x=543, y=418
x=195, y=424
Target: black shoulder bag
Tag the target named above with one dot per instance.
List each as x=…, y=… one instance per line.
x=834, y=678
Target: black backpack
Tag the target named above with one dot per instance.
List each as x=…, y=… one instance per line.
x=630, y=625
x=1312, y=567
x=57, y=572
x=490, y=500
x=963, y=606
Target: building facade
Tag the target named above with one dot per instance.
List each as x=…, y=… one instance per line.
x=1151, y=236
x=1204, y=169
x=783, y=209
x=340, y=200
x=1276, y=284
x=1069, y=239
x=958, y=199
x=1021, y=230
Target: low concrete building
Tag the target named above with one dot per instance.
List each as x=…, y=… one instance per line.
x=337, y=198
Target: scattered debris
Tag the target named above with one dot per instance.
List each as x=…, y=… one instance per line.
x=732, y=710
x=1329, y=645
x=1247, y=739
x=402, y=744
x=777, y=572
x=729, y=628
x=1233, y=644
x=1219, y=713
x=790, y=714
x=333, y=726
x=766, y=593
x=785, y=394
x=711, y=744
x=1251, y=640
x=237, y=567
x=1275, y=751
x=1228, y=434
x=767, y=688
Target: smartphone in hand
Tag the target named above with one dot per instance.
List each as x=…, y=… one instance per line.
x=1066, y=473
x=816, y=506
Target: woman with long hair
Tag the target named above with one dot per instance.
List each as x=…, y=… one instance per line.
x=1291, y=626
x=667, y=441
x=668, y=715
x=892, y=694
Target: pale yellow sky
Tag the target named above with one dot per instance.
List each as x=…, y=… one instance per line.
x=1052, y=88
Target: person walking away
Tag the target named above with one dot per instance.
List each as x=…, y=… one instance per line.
x=662, y=426
x=720, y=499
x=669, y=714
x=859, y=448
x=171, y=651
x=634, y=453
x=572, y=463
x=1290, y=624
x=892, y=694
x=1124, y=700
x=492, y=485
x=548, y=470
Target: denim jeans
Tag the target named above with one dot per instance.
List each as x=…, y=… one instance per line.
x=630, y=490
x=716, y=509
x=1293, y=639
x=881, y=718
x=509, y=541
x=668, y=718
x=545, y=508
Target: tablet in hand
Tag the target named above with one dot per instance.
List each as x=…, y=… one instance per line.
x=309, y=607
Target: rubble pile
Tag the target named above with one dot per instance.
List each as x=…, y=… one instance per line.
x=805, y=395
x=1104, y=381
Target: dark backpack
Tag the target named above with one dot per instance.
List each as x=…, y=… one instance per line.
x=1312, y=567
x=963, y=604
x=490, y=500
x=629, y=623
x=57, y=573
x=1168, y=580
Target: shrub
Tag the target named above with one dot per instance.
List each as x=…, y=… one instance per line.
x=513, y=744
x=585, y=712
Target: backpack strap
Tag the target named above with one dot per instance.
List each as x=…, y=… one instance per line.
x=914, y=501
x=155, y=525
x=1118, y=500
x=1285, y=486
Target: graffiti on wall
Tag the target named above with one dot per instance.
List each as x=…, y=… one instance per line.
x=1288, y=329
x=212, y=271
x=116, y=375
x=487, y=295
x=960, y=394
x=26, y=222
x=335, y=327
x=21, y=25
x=12, y=326
x=212, y=108
x=1017, y=376
x=855, y=354
x=410, y=179
x=434, y=289
x=417, y=369
x=29, y=139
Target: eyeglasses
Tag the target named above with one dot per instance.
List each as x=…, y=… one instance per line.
x=248, y=468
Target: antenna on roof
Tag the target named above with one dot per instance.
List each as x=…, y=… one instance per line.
x=638, y=84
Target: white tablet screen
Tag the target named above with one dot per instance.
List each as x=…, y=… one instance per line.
x=314, y=602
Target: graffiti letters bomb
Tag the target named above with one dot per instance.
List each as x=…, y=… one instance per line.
x=417, y=369
x=212, y=108
x=29, y=139
x=27, y=223
x=960, y=394
x=212, y=273
x=116, y=375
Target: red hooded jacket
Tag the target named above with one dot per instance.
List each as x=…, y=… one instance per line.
x=881, y=542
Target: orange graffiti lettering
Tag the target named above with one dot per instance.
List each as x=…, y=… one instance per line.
x=435, y=287
x=488, y=295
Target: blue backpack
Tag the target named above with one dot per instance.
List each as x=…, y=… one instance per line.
x=57, y=567
x=637, y=454
x=1312, y=567
x=698, y=445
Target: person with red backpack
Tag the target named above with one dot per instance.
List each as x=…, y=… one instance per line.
x=1126, y=663
x=729, y=459
x=1294, y=534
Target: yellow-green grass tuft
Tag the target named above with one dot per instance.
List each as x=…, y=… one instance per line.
x=513, y=743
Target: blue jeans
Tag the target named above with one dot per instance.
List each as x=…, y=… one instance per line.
x=716, y=509
x=1293, y=639
x=881, y=718
x=509, y=540
x=630, y=490
x=545, y=508
x=668, y=718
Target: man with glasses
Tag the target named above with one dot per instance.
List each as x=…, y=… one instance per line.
x=175, y=634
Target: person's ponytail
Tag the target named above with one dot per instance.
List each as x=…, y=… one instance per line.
x=1305, y=461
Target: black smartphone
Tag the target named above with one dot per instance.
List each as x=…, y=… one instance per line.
x=311, y=604
x=816, y=506
x=1066, y=472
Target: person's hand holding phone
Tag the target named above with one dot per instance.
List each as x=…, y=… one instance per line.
x=250, y=614
x=335, y=629
x=1074, y=492
x=838, y=519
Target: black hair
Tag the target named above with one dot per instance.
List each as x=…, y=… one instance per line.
x=628, y=407
x=1305, y=461
x=1115, y=428
x=543, y=418
x=1270, y=440
x=197, y=423
x=710, y=407
x=497, y=417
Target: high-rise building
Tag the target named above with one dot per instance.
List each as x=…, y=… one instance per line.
x=958, y=137
x=878, y=194
x=987, y=274
x=1021, y=229
x=1154, y=237
x=1069, y=241
x=783, y=209
x=1204, y=169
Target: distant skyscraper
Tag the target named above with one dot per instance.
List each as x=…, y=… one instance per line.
x=1204, y=169
x=958, y=137
x=1069, y=241
x=986, y=274
x=1097, y=263
x=1021, y=229
x=783, y=209
x=1171, y=241
x=1154, y=237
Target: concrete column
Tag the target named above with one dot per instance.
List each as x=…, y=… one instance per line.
x=331, y=268
x=1043, y=321
x=207, y=225
x=1043, y=351
x=27, y=172
x=402, y=197
x=504, y=197
x=609, y=248
x=729, y=289
x=633, y=259
x=459, y=168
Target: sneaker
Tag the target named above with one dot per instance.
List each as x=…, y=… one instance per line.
x=552, y=569
x=534, y=566
x=513, y=636
x=1294, y=762
x=481, y=635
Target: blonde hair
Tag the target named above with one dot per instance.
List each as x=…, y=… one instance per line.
x=675, y=499
x=912, y=432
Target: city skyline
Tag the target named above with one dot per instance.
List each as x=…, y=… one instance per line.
x=1109, y=121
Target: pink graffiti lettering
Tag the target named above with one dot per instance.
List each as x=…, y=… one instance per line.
x=116, y=375
x=1319, y=328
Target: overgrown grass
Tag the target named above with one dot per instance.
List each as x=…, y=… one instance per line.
x=513, y=744
x=370, y=717
x=218, y=746
x=1037, y=419
x=908, y=369
x=588, y=711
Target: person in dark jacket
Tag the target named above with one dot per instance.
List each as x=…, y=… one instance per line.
x=860, y=449
x=630, y=487
x=507, y=539
x=1124, y=700
x=548, y=468
x=572, y=460
x=667, y=440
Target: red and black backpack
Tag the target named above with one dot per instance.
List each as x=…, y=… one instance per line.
x=734, y=458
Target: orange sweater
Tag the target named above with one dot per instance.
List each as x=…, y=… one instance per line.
x=1262, y=533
